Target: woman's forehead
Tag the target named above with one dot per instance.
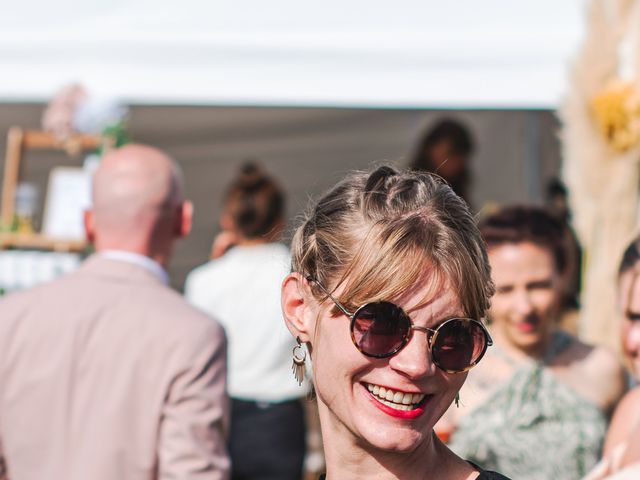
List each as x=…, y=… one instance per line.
x=434, y=291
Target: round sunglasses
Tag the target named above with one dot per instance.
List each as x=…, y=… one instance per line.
x=382, y=329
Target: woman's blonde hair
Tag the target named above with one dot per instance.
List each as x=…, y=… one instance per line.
x=379, y=233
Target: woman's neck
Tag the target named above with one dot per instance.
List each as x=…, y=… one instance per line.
x=251, y=242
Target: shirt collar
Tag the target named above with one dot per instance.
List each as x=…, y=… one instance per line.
x=141, y=260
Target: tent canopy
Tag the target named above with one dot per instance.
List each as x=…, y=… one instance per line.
x=409, y=53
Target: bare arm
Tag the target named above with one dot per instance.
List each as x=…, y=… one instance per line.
x=625, y=418
x=617, y=386
x=192, y=443
x=632, y=454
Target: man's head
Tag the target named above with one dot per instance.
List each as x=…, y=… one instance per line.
x=137, y=203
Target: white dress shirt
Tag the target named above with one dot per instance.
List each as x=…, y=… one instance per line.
x=137, y=259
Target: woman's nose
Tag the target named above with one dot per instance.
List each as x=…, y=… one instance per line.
x=522, y=303
x=414, y=360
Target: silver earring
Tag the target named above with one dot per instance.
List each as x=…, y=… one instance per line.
x=299, y=357
x=457, y=400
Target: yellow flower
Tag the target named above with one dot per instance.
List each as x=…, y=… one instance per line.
x=617, y=113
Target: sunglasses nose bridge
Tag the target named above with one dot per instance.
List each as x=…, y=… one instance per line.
x=428, y=331
x=414, y=359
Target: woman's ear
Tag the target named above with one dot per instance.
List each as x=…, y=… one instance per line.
x=297, y=307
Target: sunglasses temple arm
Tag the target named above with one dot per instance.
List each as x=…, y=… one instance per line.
x=486, y=332
x=342, y=309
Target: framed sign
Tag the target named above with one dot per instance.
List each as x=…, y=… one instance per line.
x=68, y=196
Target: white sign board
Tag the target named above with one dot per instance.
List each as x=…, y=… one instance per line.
x=68, y=196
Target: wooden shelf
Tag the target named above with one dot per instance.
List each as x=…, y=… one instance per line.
x=36, y=139
x=40, y=242
x=19, y=141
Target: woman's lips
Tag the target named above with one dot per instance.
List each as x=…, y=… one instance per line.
x=526, y=327
x=396, y=403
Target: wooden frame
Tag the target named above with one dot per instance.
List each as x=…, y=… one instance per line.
x=18, y=141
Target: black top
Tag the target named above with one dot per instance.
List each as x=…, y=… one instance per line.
x=484, y=475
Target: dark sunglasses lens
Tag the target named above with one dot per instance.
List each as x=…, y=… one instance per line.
x=380, y=329
x=459, y=344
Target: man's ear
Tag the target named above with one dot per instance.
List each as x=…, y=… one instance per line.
x=89, y=226
x=184, y=219
x=297, y=307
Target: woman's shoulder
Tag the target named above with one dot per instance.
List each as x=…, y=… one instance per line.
x=631, y=401
x=592, y=361
x=603, y=359
x=625, y=418
x=588, y=365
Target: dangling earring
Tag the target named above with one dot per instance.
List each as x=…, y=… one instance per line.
x=299, y=357
x=457, y=400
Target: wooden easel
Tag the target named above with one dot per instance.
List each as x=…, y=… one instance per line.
x=19, y=141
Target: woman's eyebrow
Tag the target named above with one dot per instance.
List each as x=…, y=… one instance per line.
x=445, y=318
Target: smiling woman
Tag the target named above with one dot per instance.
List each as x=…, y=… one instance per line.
x=536, y=407
x=390, y=282
x=621, y=455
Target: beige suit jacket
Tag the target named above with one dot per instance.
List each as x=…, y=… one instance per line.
x=109, y=374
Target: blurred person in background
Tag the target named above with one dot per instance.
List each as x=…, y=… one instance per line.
x=537, y=406
x=446, y=149
x=621, y=457
x=390, y=282
x=241, y=287
x=108, y=373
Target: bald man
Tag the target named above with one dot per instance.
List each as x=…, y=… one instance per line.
x=107, y=373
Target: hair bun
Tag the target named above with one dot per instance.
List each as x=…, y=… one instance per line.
x=250, y=176
x=378, y=179
x=249, y=168
x=254, y=201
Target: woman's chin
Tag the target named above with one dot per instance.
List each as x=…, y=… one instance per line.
x=392, y=441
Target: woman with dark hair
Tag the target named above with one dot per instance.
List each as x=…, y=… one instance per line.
x=629, y=302
x=537, y=407
x=621, y=457
x=389, y=286
x=241, y=288
x=445, y=149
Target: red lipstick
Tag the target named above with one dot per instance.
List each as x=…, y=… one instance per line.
x=404, y=414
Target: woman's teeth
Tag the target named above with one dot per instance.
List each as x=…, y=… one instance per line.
x=395, y=399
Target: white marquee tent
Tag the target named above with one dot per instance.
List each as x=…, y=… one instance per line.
x=407, y=53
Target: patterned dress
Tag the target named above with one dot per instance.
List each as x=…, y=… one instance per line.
x=533, y=427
